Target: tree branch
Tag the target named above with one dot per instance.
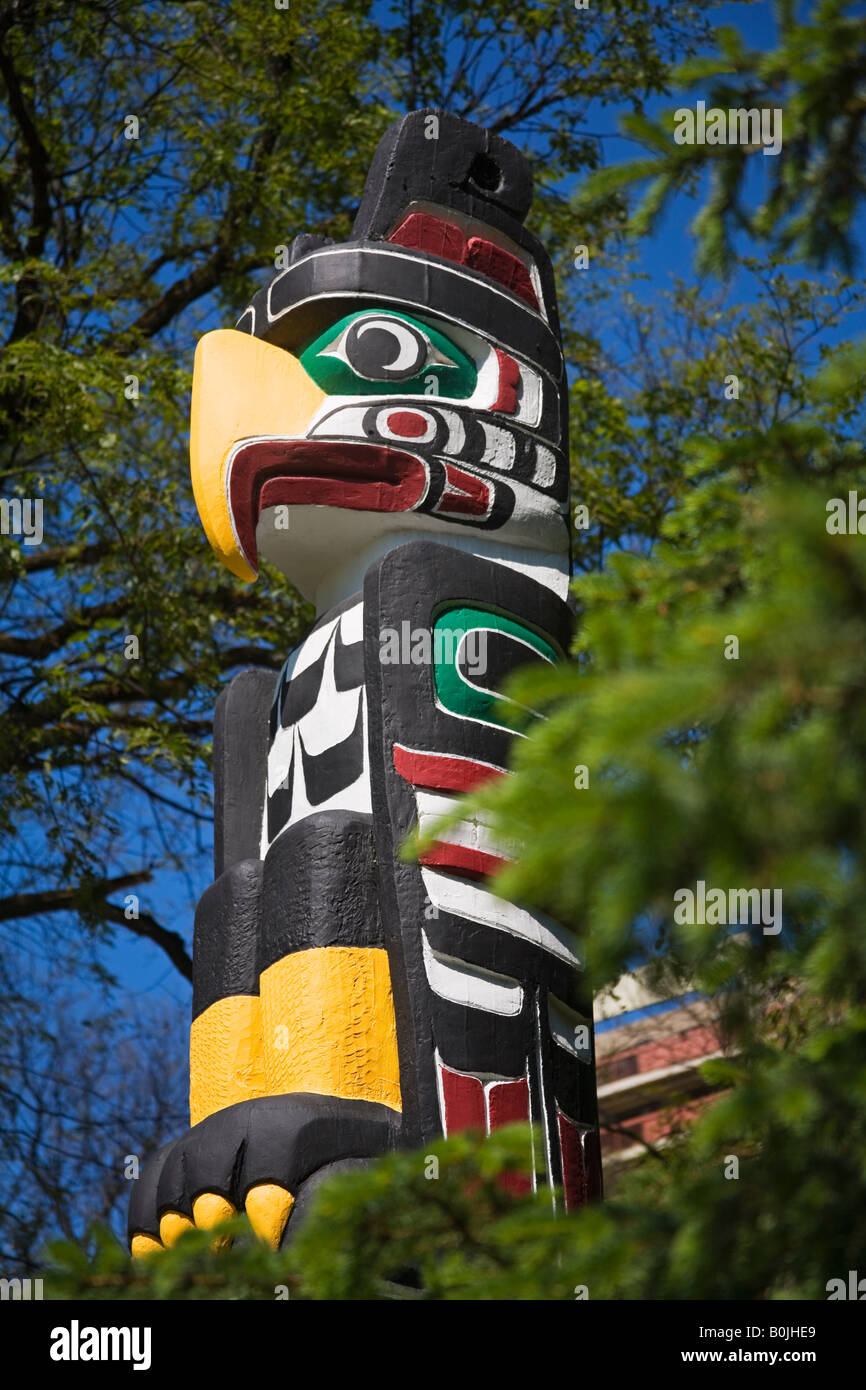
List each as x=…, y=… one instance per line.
x=90, y=898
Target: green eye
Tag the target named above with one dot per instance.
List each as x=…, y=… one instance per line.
x=371, y=350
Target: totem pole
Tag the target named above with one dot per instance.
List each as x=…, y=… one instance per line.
x=387, y=425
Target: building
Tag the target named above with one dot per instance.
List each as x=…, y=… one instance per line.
x=649, y=1045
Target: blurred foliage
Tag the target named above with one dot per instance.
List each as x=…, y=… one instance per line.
x=746, y=772
x=816, y=76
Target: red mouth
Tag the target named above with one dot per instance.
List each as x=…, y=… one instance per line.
x=320, y=472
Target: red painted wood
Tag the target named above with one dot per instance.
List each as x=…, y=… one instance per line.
x=500, y=265
x=464, y=494
x=422, y=232
x=463, y=1100
x=447, y=772
x=581, y=1163
x=461, y=859
x=408, y=424
x=508, y=1104
x=509, y=380
x=360, y=477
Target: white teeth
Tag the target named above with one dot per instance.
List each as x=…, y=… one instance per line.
x=333, y=718
x=311, y=649
x=529, y=396
x=352, y=625
x=545, y=467
x=500, y=448
x=471, y=833
x=464, y=899
x=456, y=440
x=470, y=985
x=331, y=721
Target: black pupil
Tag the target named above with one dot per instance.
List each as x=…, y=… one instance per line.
x=372, y=351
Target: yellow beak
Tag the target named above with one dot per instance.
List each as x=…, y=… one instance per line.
x=242, y=388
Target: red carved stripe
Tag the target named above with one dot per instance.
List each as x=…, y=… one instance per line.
x=502, y=266
x=422, y=232
x=306, y=472
x=592, y=1164
x=462, y=1101
x=581, y=1163
x=508, y=1104
x=461, y=859
x=445, y=772
x=509, y=380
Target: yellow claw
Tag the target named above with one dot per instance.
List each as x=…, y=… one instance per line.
x=144, y=1245
x=268, y=1207
x=172, y=1226
x=210, y=1209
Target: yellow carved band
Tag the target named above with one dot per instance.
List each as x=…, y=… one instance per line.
x=225, y=1056
x=328, y=1025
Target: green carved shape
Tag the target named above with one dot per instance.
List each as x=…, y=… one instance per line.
x=462, y=696
x=376, y=351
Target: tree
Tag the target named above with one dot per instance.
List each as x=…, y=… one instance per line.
x=737, y=768
x=84, y=1095
x=697, y=360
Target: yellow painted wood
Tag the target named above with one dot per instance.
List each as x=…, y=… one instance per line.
x=328, y=1025
x=225, y=1056
x=242, y=387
